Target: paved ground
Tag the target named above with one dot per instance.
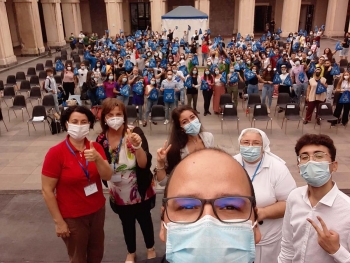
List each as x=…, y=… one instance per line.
x=27, y=233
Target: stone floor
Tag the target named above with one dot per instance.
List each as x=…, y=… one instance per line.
x=27, y=231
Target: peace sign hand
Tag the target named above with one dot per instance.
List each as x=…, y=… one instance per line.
x=162, y=153
x=327, y=239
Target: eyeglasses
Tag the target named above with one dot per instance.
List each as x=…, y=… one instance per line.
x=187, y=210
x=317, y=157
x=248, y=143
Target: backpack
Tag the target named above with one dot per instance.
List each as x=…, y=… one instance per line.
x=43, y=87
x=54, y=125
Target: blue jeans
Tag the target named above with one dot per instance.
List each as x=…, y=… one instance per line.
x=124, y=99
x=94, y=100
x=150, y=104
x=167, y=106
x=298, y=88
x=267, y=91
x=204, y=58
x=252, y=89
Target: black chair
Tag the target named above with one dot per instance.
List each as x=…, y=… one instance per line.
x=34, y=81
x=31, y=72
x=1, y=85
x=73, y=53
x=42, y=75
x=64, y=52
x=34, y=94
x=325, y=112
x=260, y=114
x=48, y=102
x=224, y=99
x=58, y=80
x=39, y=67
x=57, y=58
x=252, y=100
x=38, y=115
x=342, y=69
x=48, y=64
x=157, y=115
x=241, y=86
x=19, y=103
x=20, y=76
x=343, y=63
x=161, y=100
x=24, y=87
x=77, y=59
x=81, y=52
x=9, y=93
x=11, y=81
x=70, y=62
x=292, y=113
x=229, y=113
x=64, y=57
x=282, y=100
x=2, y=119
x=131, y=112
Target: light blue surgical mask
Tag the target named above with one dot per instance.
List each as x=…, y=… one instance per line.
x=250, y=153
x=194, y=71
x=210, y=241
x=314, y=173
x=193, y=128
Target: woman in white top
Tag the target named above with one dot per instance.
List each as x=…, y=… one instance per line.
x=272, y=184
x=342, y=86
x=186, y=137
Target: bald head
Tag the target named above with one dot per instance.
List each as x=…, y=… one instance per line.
x=209, y=173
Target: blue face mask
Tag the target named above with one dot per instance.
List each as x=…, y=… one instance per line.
x=250, y=153
x=208, y=241
x=314, y=173
x=193, y=128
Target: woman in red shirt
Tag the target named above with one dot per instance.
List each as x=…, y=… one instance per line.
x=72, y=189
x=205, y=52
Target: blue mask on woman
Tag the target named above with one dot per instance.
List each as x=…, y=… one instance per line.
x=314, y=173
x=193, y=128
x=250, y=153
x=209, y=241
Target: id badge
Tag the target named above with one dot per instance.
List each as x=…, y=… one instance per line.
x=90, y=189
x=116, y=176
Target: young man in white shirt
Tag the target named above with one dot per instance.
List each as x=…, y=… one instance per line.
x=82, y=75
x=316, y=225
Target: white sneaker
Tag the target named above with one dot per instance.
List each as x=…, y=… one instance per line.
x=140, y=122
x=268, y=110
x=166, y=122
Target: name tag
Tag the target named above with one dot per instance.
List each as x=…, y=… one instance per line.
x=116, y=178
x=90, y=189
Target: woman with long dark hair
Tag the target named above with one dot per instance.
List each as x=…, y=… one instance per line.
x=186, y=137
x=207, y=94
x=267, y=91
x=192, y=93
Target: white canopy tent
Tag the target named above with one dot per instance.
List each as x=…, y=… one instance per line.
x=182, y=17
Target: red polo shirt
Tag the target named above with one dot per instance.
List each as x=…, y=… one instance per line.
x=60, y=163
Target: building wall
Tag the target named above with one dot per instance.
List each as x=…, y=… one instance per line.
x=98, y=16
x=176, y=3
x=221, y=17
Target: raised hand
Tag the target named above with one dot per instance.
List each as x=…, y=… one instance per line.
x=134, y=138
x=91, y=155
x=162, y=153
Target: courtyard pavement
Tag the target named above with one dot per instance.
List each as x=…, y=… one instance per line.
x=27, y=230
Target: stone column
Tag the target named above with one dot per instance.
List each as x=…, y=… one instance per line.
x=290, y=17
x=246, y=17
x=27, y=13
x=12, y=23
x=7, y=56
x=336, y=17
x=156, y=15
x=126, y=16
x=71, y=17
x=235, y=23
x=164, y=7
x=196, y=4
x=114, y=10
x=53, y=23
x=204, y=6
x=320, y=13
x=85, y=15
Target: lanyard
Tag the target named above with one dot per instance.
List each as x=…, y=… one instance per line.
x=116, y=159
x=86, y=172
x=256, y=170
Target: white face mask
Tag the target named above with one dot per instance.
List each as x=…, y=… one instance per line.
x=83, y=67
x=115, y=122
x=268, y=69
x=346, y=77
x=297, y=63
x=110, y=77
x=69, y=68
x=78, y=132
x=153, y=82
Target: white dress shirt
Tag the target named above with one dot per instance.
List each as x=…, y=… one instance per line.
x=300, y=239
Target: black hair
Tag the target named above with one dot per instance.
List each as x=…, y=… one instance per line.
x=81, y=109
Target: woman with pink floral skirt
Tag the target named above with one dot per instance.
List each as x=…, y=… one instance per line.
x=131, y=188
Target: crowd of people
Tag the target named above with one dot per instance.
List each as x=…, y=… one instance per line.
x=252, y=211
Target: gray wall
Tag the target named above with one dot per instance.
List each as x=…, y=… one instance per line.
x=98, y=16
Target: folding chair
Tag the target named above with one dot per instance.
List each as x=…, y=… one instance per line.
x=39, y=67
x=64, y=52
x=282, y=100
x=292, y=113
x=77, y=98
x=64, y=57
x=11, y=81
x=224, y=99
x=19, y=103
x=38, y=115
x=77, y=59
x=252, y=100
x=241, y=86
x=48, y=102
x=1, y=85
x=161, y=100
x=131, y=112
x=34, y=81
x=2, y=119
x=343, y=63
x=57, y=58
x=157, y=115
x=34, y=94
x=31, y=72
x=48, y=64
x=229, y=113
x=20, y=76
x=42, y=75
x=260, y=114
x=58, y=80
x=325, y=112
x=9, y=93
x=24, y=87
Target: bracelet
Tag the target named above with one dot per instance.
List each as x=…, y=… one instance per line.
x=161, y=168
x=137, y=147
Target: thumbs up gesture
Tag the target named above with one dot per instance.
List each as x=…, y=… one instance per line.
x=91, y=155
x=134, y=138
